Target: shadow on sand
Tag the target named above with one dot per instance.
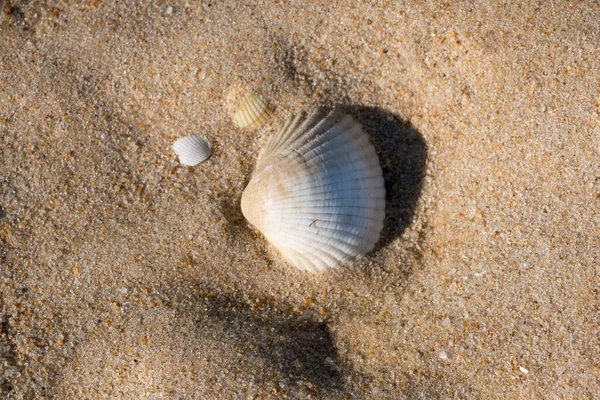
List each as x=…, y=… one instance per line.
x=402, y=154
x=297, y=350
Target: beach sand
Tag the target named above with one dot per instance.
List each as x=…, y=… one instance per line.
x=126, y=275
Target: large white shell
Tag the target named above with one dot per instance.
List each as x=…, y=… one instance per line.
x=252, y=111
x=317, y=192
x=192, y=149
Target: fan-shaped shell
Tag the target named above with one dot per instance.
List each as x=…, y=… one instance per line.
x=317, y=192
x=192, y=149
x=252, y=111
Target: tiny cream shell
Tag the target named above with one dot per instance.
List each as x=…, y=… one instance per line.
x=252, y=111
x=317, y=192
x=192, y=150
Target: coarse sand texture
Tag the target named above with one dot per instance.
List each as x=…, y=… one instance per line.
x=126, y=275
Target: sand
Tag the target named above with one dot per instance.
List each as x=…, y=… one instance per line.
x=126, y=275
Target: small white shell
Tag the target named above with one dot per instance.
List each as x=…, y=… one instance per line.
x=317, y=192
x=192, y=149
x=252, y=111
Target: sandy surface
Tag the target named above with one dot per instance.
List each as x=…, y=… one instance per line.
x=125, y=275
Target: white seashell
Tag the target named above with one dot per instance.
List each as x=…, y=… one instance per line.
x=317, y=192
x=192, y=149
x=252, y=111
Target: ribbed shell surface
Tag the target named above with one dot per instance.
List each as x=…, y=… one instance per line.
x=252, y=111
x=192, y=149
x=317, y=192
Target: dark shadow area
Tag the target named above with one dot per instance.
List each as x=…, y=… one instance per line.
x=402, y=154
x=297, y=350
x=8, y=354
x=237, y=226
x=8, y=347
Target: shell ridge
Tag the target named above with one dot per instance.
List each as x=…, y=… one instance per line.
x=332, y=231
x=317, y=192
x=339, y=194
x=310, y=218
x=275, y=141
x=324, y=207
x=352, y=183
x=357, y=175
x=321, y=132
x=327, y=228
x=299, y=260
x=336, y=201
x=330, y=213
x=251, y=111
x=338, y=142
x=340, y=147
x=295, y=132
x=333, y=235
x=352, y=239
x=311, y=230
x=337, y=255
x=192, y=149
x=328, y=189
x=299, y=129
x=284, y=134
x=305, y=245
x=306, y=263
x=303, y=130
x=266, y=113
x=311, y=210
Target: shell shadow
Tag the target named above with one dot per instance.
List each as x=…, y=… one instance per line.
x=236, y=226
x=402, y=152
x=299, y=352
